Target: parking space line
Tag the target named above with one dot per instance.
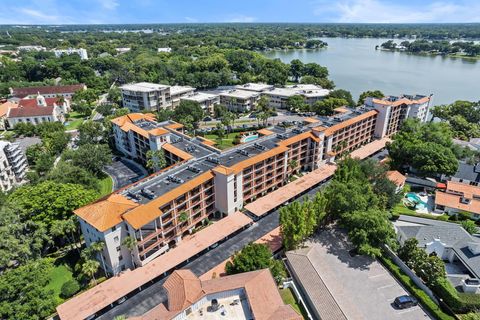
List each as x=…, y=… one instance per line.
x=408, y=310
x=387, y=286
x=377, y=275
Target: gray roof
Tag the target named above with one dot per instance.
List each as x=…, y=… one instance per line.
x=321, y=300
x=468, y=172
x=452, y=235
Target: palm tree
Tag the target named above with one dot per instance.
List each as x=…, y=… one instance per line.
x=130, y=243
x=97, y=247
x=292, y=164
x=89, y=268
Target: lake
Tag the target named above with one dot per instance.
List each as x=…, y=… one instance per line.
x=355, y=65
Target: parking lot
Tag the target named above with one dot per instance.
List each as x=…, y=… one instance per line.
x=361, y=286
x=124, y=172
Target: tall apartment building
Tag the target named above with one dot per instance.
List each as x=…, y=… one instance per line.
x=152, y=96
x=311, y=93
x=13, y=165
x=393, y=110
x=239, y=100
x=203, y=182
x=206, y=100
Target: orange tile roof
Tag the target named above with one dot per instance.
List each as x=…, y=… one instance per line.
x=467, y=190
x=206, y=141
x=183, y=289
x=223, y=170
x=157, y=131
x=369, y=149
x=146, y=213
x=341, y=110
x=5, y=106
x=174, y=126
x=263, y=297
x=400, y=101
x=310, y=120
x=107, y=212
x=453, y=201
x=349, y=122
x=396, y=177
x=238, y=167
x=265, y=132
x=109, y=291
x=298, y=137
x=179, y=153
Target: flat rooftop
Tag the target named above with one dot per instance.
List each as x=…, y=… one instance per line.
x=258, y=87
x=233, y=307
x=175, y=90
x=201, y=97
x=240, y=94
x=143, y=87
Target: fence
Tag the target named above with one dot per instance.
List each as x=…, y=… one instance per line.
x=411, y=274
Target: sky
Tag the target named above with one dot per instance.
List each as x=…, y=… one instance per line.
x=200, y=11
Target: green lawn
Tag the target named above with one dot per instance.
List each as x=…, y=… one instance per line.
x=106, y=185
x=60, y=274
x=226, y=142
x=401, y=209
x=289, y=298
x=74, y=121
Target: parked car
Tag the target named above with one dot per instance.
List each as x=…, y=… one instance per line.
x=207, y=119
x=404, y=302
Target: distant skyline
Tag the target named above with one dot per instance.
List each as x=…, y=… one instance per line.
x=202, y=11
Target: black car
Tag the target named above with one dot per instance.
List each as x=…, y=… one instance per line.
x=404, y=302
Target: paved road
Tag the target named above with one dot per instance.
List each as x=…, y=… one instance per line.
x=124, y=172
x=150, y=297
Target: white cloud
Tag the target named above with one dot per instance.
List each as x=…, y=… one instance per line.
x=379, y=11
x=38, y=16
x=240, y=18
x=109, y=4
x=190, y=19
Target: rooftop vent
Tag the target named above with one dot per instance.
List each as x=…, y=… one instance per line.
x=213, y=160
x=259, y=146
x=148, y=193
x=193, y=169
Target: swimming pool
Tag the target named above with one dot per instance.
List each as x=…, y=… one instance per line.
x=250, y=138
x=414, y=198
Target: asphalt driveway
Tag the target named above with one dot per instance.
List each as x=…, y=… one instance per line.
x=124, y=172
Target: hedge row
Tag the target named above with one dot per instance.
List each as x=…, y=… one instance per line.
x=422, y=297
x=458, y=302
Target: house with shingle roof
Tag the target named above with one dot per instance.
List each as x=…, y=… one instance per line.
x=449, y=241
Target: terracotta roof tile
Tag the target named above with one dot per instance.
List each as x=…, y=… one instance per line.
x=223, y=170
x=310, y=120
x=107, y=212
x=30, y=111
x=468, y=191
x=453, y=201
x=179, y=153
x=5, y=106
x=396, y=177
x=183, y=289
x=331, y=130
x=27, y=91
x=238, y=167
x=265, y=132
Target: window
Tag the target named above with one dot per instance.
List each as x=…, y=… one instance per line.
x=118, y=249
x=120, y=258
x=115, y=239
x=114, y=228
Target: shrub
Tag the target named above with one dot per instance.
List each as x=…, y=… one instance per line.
x=458, y=302
x=69, y=288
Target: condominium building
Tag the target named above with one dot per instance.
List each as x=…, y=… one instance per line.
x=393, y=110
x=256, y=87
x=202, y=182
x=239, y=100
x=311, y=93
x=80, y=51
x=152, y=96
x=206, y=100
x=13, y=165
